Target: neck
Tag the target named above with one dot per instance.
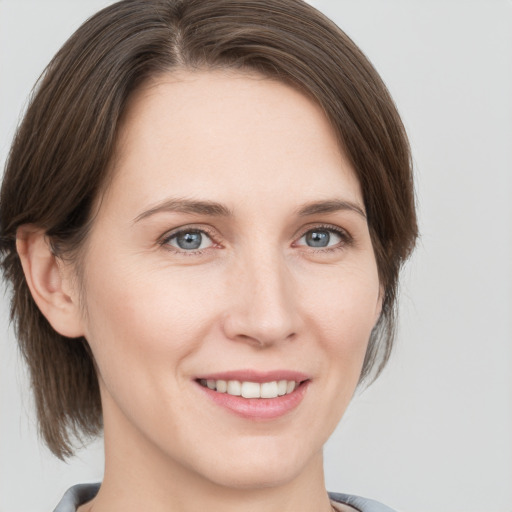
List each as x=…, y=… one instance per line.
x=138, y=474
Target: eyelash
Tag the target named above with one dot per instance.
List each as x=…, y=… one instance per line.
x=165, y=240
x=346, y=239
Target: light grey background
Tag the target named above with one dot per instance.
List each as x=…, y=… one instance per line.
x=434, y=434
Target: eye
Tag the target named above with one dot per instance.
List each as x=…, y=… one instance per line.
x=320, y=238
x=189, y=240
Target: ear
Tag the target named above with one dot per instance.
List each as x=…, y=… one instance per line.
x=49, y=281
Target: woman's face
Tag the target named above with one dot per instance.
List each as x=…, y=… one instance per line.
x=231, y=250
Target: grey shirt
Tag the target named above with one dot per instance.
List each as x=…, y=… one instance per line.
x=82, y=493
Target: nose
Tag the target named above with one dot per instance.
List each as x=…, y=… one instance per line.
x=262, y=307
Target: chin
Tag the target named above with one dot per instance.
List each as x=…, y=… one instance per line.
x=255, y=478
x=257, y=470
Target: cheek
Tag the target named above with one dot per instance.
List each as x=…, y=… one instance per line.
x=346, y=302
x=344, y=310
x=140, y=320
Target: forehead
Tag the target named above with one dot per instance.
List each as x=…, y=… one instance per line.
x=230, y=134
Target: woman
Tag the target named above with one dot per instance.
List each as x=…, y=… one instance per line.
x=203, y=218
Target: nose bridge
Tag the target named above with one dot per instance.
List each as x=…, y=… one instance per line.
x=263, y=307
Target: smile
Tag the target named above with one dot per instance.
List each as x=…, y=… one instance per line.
x=256, y=396
x=247, y=389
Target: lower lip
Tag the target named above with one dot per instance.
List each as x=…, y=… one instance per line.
x=258, y=408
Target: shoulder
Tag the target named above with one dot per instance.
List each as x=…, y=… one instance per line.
x=359, y=503
x=82, y=493
x=76, y=496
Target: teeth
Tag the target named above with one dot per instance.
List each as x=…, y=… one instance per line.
x=222, y=386
x=268, y=390
x=234, y=388
x=271, y=389
x=251, y=390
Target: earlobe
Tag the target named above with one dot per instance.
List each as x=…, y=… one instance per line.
x=49, y=284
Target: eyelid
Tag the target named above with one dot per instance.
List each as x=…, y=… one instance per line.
x=197, y=228
x=215, y=237
x=346, y=237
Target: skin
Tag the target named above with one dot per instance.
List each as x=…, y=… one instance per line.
x=256, y=296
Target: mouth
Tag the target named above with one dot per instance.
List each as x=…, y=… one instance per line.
x=256, y=396
x=248, y=389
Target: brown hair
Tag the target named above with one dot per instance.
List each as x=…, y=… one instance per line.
x=60, y=155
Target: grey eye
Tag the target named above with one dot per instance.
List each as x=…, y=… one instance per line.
x=190, y=240
x=320, y=238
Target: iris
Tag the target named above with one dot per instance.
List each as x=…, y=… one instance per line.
x=318, y=238
x=189, y=240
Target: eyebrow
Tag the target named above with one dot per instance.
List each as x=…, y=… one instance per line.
x=214, y=209
x=210, y=208
x=330, y=206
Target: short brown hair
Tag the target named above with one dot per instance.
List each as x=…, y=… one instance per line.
x=60, y=155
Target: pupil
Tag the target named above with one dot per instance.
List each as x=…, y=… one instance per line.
x=189, y=240
x=318, y=238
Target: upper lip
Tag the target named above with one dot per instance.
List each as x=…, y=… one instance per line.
x=256, y=376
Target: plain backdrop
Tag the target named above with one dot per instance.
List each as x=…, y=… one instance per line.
x=434, y=433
